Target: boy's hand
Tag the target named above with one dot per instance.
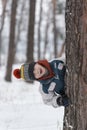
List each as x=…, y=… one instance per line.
x=63, y=101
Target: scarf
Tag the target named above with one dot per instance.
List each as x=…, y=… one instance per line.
x=46, y=64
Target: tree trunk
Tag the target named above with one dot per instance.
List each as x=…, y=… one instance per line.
x=55, y=29
x=76, y=57
x=2, y=19
x=11, y=49
x=39, y=31
x=30, y=42
x=62, y=50
x=46, y=34
x=20, y=21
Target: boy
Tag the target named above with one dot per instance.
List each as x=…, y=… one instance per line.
x=51, y=78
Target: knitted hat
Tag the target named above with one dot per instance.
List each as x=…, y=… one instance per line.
x=25, y=72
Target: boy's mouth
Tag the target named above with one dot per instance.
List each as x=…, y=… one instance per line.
x=40, y=71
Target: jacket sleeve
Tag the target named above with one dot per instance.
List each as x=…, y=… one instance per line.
x=49, y=98
x=58, y=60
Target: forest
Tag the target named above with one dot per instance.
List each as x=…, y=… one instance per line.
x=29, y=31
x=39, y=29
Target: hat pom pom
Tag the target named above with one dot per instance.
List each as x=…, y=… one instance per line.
x=16, y=73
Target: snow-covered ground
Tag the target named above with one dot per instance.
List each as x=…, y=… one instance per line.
x=21, y=107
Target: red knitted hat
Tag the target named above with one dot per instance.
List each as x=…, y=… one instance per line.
x=17, y=73
x=25, y=71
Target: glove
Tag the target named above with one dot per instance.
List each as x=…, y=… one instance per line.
x=63, y=101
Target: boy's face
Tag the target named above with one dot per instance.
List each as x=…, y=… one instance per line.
x=39, y=71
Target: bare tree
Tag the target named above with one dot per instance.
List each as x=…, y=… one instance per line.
x=39, y=32
x=20, y=21
x=4, y=3
x=30, y=42
x=46, y=37
x=62, y=50
x=46, y=33
x=76, y=56
x=55, y=29
x=11, y=49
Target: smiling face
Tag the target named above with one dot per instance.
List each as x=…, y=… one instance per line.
x=39, y=71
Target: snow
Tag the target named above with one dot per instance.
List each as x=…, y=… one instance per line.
x=21, y=105
x=0, y=7
x=22, y=108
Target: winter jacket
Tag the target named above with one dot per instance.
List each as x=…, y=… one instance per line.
x=53, y=88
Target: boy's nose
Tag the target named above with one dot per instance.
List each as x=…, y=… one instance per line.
x=36, y=71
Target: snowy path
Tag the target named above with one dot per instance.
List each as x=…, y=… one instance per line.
x=27, y=117
x=21, y=108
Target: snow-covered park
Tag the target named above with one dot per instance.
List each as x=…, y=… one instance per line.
x=21, y=105
x=22, y=108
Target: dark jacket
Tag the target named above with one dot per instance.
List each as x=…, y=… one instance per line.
x=59, y=69
x=54, y=87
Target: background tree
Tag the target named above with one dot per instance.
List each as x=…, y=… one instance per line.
x=62, y=51
x=11, y=49
x=20, y=21
x=39, y=32
x=4, y=2
x=46, y=35
x=76, y=56
x=55, y=29
x=30, y=36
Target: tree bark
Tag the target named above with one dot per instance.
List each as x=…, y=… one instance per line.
x=30, y=42
x=2, y=19
x=76, y=60
x=11, y=49
x=39, y=31
x=55, y=29
x=20, y=22
x=62, y=50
